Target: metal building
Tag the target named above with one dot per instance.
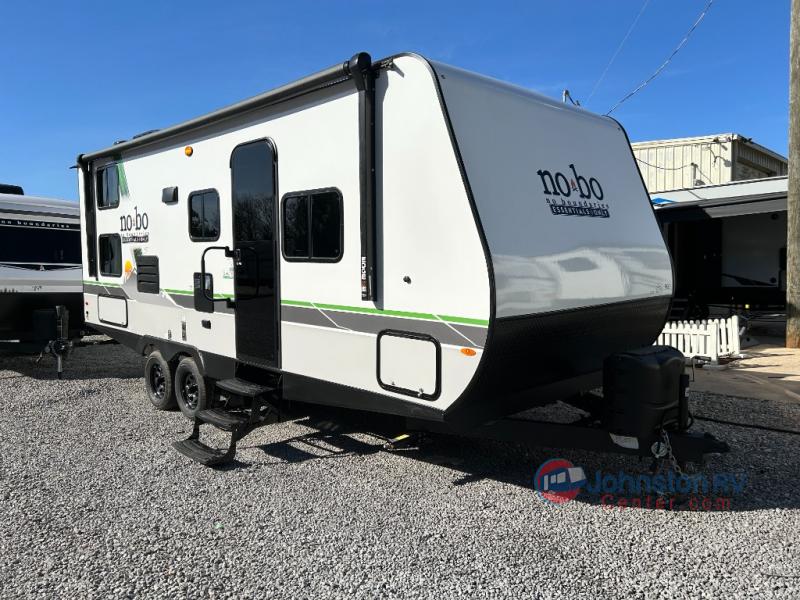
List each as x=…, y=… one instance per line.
x=680, y=163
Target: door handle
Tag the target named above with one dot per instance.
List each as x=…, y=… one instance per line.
x=228, y=254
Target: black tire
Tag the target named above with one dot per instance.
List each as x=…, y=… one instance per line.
x=158, y=382
x=191, y=390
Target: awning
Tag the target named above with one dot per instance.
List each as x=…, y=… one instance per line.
x=721, y=207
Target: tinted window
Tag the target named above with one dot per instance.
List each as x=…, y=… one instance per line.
x=253, y=192
x=40, y=245
x=326, y=222
x=204, y=215
x=108, y=187
x=295, y=226
x=110, y=255
x=314, y=234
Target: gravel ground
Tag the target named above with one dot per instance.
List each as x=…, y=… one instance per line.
x=95, y=503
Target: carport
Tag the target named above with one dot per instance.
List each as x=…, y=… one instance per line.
x=728, y=246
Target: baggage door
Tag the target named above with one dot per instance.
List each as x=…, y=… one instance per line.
x=255, y=260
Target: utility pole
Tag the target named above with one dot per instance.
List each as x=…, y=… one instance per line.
x=793, y=201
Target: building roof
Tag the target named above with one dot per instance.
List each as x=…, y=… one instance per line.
x=709, y=139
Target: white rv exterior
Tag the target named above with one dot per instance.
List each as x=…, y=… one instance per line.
x=39, y=262
x=515, y=244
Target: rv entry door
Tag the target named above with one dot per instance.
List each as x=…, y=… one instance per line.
x=255, y=261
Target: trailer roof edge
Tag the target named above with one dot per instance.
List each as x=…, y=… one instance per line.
x=333, y=75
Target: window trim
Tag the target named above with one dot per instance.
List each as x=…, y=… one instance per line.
x=99, y=255
x=307, y=194
x=189, y=214
x=98, y=174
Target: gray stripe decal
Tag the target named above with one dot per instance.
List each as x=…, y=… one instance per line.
x=102, y=290
x=446, y=333
x=464, y=335
x=185, y=301
x=182, y=301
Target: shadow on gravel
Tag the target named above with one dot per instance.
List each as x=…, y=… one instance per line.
x=108, y=361
x=318, y=445
x=766, y=462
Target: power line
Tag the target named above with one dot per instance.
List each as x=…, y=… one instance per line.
x=666, y=62
x=617, y=51
x=644, y=162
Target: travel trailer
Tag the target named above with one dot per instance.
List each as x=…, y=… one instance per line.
x=40, y=269
x=400, y=238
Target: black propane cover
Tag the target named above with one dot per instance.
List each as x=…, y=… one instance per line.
x=645, y=390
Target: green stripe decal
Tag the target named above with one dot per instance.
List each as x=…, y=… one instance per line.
x=122, y=179
x=169, y=291
x=342, y=308
x=297, y=303
x=188, y=293
x=387, y=313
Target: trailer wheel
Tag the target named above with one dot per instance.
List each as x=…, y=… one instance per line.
x=190, y=388
x=158, y=381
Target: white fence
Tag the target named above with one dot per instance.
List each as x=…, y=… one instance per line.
x=712, y=339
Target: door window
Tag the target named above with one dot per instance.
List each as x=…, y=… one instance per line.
x=252, y=192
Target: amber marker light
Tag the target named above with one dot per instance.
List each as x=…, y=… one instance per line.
x=468, y=352
x=188, y=151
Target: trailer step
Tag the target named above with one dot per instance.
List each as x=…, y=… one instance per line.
x=262, y=410
x=223, y=419
x=246, y=389
x=200, y=453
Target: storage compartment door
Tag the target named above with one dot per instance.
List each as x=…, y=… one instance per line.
x=112, y=310
x=409, y=363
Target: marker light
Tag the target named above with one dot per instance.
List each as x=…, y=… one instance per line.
x=188, y=151
x=468, y=352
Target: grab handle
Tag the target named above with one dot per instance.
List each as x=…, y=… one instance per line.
x=228, y=254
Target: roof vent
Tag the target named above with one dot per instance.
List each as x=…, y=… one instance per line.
x=144, y=133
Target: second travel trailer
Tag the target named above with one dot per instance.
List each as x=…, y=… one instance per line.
x=398, y=237
x=40, y=269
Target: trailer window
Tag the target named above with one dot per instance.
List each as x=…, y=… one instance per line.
x=108, y=186
x=39, y=243
x=204, y=216
x=110, y=255
x=295, y=227
x=312, y=226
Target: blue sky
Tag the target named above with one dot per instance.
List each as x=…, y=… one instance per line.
x=75, y=76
